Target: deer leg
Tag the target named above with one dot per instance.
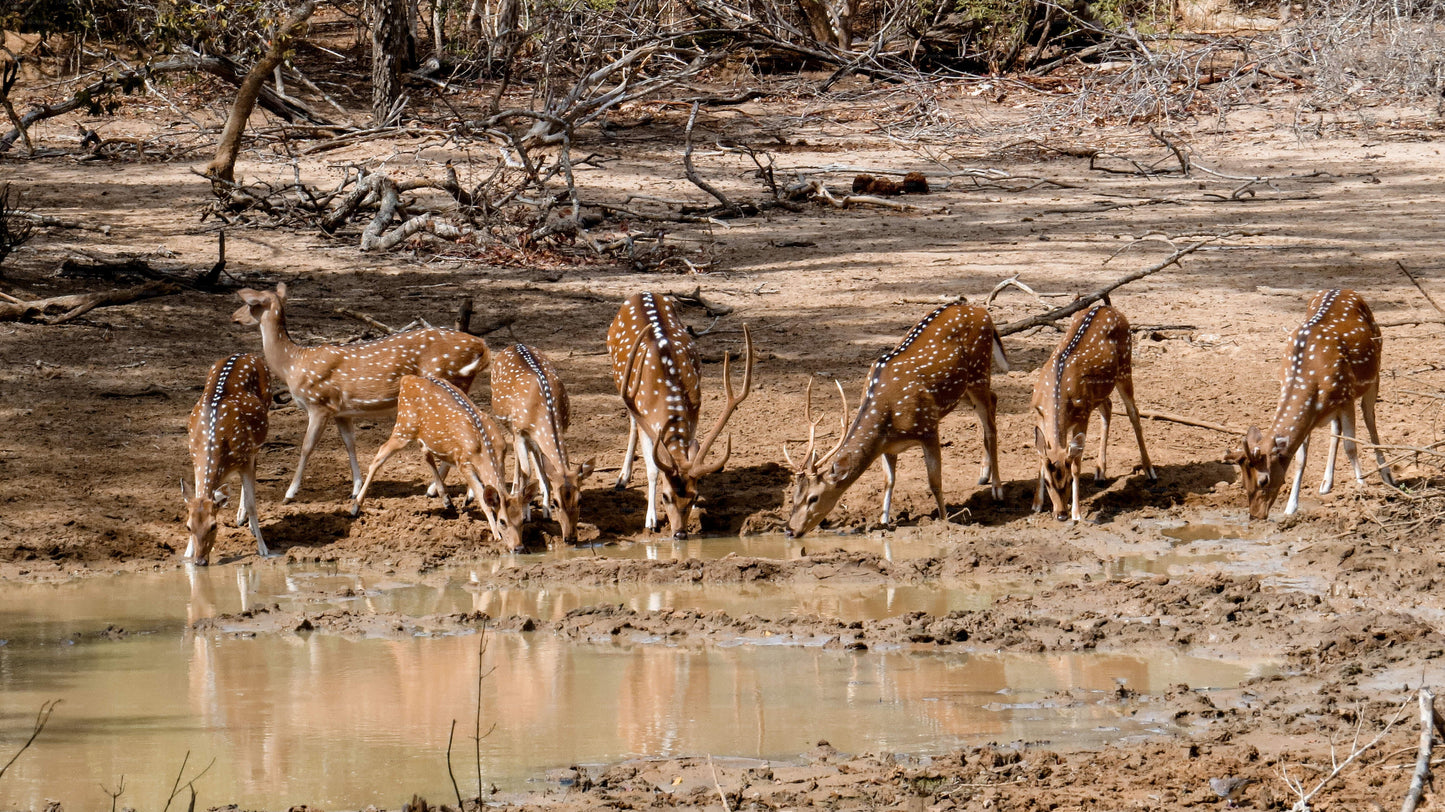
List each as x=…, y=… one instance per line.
x=1074, y=467
x=347, y=431
x=1367, y=410
x=1300, y=458
x=933, y=464
x=890, y=463
x=391, y=446
x=626, y=475
x=316, y=420
x=438, y=485
x=1352, y=450
x=1106, y=411
x=438, y=472
x=1327, y=483
x=987, y=409
x=519, y=472
x=1039, y=494
x=544, y=484
x=248, y=506
x=650, y=522
x=1126, y=396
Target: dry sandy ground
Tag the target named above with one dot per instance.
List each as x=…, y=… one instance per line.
x=92, y=414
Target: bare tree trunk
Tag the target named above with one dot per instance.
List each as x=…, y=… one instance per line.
x=389, y=37
x=222, y=169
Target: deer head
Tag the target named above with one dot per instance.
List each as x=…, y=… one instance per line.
x=257, y=302
x=815, y=492
x=1262, y=465
x=1057, y=467
x=567, y=496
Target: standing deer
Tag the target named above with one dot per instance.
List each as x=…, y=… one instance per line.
x=529, y=397
x=227, y=428
x=657, y=371
x=1333, y=360
x=1091, y=361
x=451, y=429
x=944, y=358
x=344, y=381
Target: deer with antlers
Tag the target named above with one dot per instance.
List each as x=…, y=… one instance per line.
x=529, y=397
x=943, y=359
x=1333, y=360
x=227, y=428
x=344, y=381
x=452, y=430
x=1093, y=360
x=659, y=375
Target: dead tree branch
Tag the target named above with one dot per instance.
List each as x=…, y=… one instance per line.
x=61, y=309
x=41, y=718
x=1088, y=299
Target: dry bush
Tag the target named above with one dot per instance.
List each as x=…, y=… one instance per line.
x=15, y=227
x=1356, y=51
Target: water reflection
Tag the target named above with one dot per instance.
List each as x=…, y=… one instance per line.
x=342, y=724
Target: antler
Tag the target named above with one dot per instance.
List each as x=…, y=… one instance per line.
x=842, y=427
x=807, y=467
x=695, y=465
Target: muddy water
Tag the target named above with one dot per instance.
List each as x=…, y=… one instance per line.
x=343, y=723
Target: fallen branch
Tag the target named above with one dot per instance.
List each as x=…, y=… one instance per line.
x=68, y=308
x=729, y=207
x=1303, y=804
x=695, y=298
x=1428, y=297
x=1088, y=299
x=1189, y=421
x=1422, y=760
x=364, y=319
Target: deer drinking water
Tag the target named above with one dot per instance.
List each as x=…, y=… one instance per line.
x=1333, y=360
x=344, y=381
x=943, y=359
x=227, y=428
x=1092, y=360
x=658, y=373
x=451, y=429
x=529, y=397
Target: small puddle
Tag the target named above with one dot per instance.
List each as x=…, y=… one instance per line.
x=1191, y=531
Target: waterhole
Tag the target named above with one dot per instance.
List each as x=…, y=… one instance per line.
x=283, y=719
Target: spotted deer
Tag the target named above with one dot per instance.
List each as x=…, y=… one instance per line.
x=1093, y=360
x=1333, y=360
x=529, y=397
x=344, y=381
x=659, y=376
x=943, y=359
x=227, y=428
x=451, y=429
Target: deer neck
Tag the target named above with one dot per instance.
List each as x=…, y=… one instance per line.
x=1297, y=415
x=276, y=344
x=863, y=444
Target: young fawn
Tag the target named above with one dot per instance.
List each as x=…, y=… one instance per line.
x=1092, y=360
x=529, y=397
x=1333, y=360
x=344, y=381
x=227, y=428
x=943, y=359
x=451, y=429
x=658, y=374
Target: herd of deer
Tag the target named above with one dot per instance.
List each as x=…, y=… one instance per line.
x=423, y=376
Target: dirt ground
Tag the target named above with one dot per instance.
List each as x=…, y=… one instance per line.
x=93, y=413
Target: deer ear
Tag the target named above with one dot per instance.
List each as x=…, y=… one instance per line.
x=1076, y=445
x=185, y=488
x=585, y=469
x=251, y=297
x=281, y=292
x=1039, y=441
x=491, y=497
x=1281, y=445
x=530, y=492
x=1238, y=454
